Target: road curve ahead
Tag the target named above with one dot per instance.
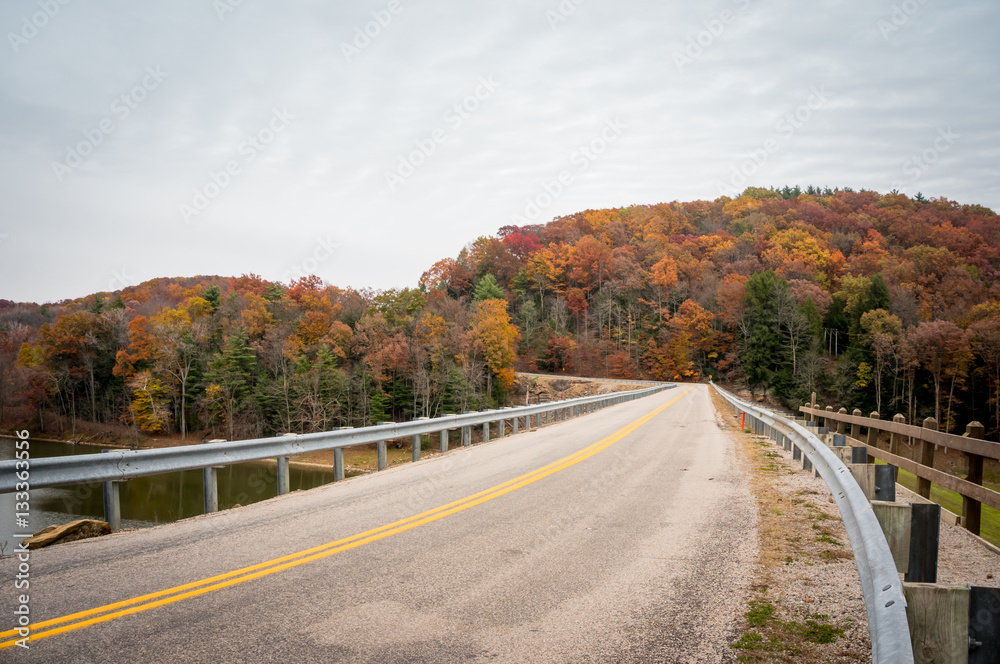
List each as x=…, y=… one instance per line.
x=625, y=535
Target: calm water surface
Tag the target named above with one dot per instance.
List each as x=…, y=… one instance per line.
x=145, y=501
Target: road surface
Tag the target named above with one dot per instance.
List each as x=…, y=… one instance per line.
x=627, y=535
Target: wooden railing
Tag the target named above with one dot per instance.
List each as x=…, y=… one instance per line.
x=974, y=494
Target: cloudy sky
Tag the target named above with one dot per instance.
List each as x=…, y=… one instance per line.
x=363, y=141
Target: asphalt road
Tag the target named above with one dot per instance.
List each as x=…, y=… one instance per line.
x=637, y=549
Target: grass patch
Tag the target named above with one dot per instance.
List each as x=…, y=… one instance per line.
x=833, y=554
x=951, y=501
x=817, y=632
x=759, y=613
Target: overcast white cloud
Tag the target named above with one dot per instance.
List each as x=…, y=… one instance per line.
x=629, y=101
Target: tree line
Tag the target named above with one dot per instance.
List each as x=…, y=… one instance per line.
x=875, y=301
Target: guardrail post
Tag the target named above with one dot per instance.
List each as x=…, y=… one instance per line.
x=112, y=503
x=444, y=440
x=938, y=616
x=382, y=452
x=984, y=624
x=796, y=452
x=885, y=483
x=972, y=509
x=926, y=459
x=486, y=432
x=894, y=520
x=338, y=464
x=338, y=459
x=839, y=440
x=210, y=484
x=925, y=531
x=283, y=479
x=513, y=425
x=466, y=433
x=859, y=455
x=415, y=440
x=856, y=428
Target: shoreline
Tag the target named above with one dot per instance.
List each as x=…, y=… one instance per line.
x=70, y=443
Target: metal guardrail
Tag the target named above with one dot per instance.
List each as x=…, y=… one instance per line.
x=883, y=591
x=119, y=465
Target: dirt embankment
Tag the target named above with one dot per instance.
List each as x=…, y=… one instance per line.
x=538, y=388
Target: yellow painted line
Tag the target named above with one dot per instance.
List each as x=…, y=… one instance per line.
x=149, y=601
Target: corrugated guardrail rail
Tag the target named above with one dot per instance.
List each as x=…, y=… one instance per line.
x=121, y=465
x=883, y=591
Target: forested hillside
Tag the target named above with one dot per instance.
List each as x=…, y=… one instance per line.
x=880, y=302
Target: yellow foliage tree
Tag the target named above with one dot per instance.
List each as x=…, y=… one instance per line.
x=496, y=337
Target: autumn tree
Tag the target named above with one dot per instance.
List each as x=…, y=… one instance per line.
x=881, y=332
x=941, y=348
x=496, y=337
x=984, y=336
x=175, y=353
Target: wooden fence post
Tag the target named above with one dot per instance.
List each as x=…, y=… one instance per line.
x=842, y=426
x=896, y=441
x=972, y=509
x=872, y=431
x=856, y=428
x=926, y=459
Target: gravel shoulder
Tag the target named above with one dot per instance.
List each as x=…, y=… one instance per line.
x=806, y=604
x=808, y=588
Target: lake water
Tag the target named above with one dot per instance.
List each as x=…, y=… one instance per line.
x=145, y=501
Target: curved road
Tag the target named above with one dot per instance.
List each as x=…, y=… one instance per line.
x=622, y=536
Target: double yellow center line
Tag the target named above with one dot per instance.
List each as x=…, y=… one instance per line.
x=142, y=603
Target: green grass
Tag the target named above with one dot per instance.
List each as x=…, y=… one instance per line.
x=759, y=613
x=781, y=636
x=951, y=501
x=817, y=632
